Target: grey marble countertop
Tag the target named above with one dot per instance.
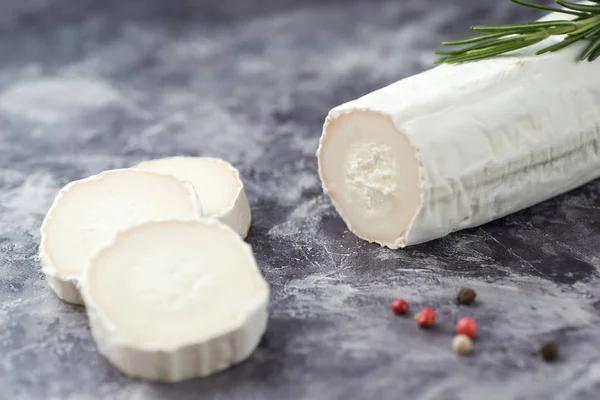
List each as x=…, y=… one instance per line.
x=92, y=85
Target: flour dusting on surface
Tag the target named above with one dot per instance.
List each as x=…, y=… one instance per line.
x=49, y=100
x=109, y=84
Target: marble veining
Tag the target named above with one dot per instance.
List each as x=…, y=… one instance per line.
x=92, y=85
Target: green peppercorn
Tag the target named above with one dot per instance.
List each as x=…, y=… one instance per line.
x=466, y=296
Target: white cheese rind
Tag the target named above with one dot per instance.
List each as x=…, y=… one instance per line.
x=87, y=213
x=487, y=139
x=217, y=183
x=214, y=300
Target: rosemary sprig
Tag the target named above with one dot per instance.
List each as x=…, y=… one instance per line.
x=495, y=40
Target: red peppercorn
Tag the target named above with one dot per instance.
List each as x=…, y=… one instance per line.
x=466, y=326
x=399, y=306
x=426, y=317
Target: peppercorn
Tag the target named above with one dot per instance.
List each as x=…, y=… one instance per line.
x=399, y=306
x=466, y=296
x=426, y=318
x=549, y=351
x=466, y=326
x=462, y=344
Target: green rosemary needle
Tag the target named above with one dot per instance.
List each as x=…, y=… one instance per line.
x=495, y=40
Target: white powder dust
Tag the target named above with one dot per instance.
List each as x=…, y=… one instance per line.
x=50, y=100
x=25, y=204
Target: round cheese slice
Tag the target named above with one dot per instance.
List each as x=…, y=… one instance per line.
x=87, y=214
x=175, y=300
x=217, y=183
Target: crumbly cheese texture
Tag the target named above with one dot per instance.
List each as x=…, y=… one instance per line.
x=175, y=300
x=87, y=214
x=461, y=145
x=218, y=184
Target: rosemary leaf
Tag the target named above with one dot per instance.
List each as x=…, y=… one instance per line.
x=560, y=45
x=474, y=39
x=504, y=38
x=585, y=28
x=595, y=54
x=485, y=45
x=579, y=7
x=487, y=53
x=592, y=32
x=546, y=8
x=522, y=27
x=591, y=49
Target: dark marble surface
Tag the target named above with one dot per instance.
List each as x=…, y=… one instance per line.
x=90, y=85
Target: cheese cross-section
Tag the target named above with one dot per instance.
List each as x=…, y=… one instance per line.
x=217, y=183
x=461, y=145
x=176, y=299
x=87, y=214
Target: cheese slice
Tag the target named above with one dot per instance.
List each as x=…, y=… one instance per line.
x=175, y=300
x=87, y=214
x=458, y=146
x=217, y=183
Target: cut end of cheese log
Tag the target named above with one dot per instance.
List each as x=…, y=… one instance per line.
x=218, y=184
x=87, y=214
x=460, y=145
x=371, y=172
x=176, y=300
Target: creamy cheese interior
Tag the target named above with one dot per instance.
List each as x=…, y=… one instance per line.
x=173, y=283
x=216, y=181
x=371, y=172
x=88, y=214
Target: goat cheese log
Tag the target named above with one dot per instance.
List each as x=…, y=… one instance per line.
x=461, y=145
x=175, y=300
x=87, y=213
